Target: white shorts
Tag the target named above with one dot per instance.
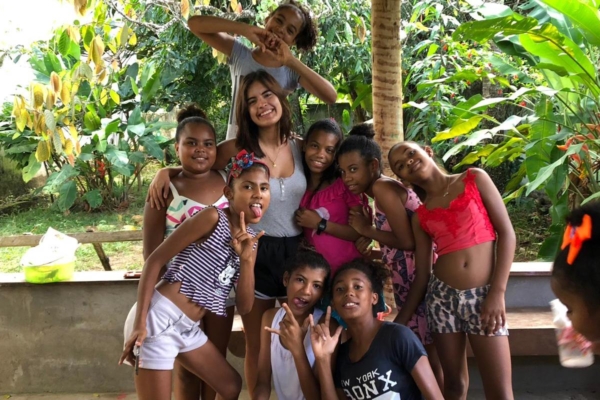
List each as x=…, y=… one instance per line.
x=169, y=332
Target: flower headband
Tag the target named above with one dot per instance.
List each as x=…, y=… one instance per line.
x=242, y=161
x=575, y=236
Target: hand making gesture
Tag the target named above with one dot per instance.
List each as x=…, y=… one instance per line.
x=242, y=242
x=291, y=334
x=323, y=343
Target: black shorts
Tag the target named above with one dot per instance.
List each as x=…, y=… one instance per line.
x=273, y=252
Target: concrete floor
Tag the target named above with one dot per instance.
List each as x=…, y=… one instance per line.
x=473, y=395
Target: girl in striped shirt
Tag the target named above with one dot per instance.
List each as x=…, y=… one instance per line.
x=208, y=252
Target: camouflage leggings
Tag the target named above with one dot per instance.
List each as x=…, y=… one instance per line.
x=450, y=310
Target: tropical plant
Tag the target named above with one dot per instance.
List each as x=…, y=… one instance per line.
x=556, y=88
x=82, y=120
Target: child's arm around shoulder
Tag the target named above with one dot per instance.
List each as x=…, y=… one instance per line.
x=225, y=150
x=390, y=198
x=423, y=265
x=493, y=309
x=263, y=384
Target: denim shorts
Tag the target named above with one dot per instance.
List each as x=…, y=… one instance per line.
x=169, y=332
x=451, y=310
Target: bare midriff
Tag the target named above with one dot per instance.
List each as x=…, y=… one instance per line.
x=171, y=291
x=467, y=268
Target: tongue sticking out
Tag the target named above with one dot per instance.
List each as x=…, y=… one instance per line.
x=257, y=211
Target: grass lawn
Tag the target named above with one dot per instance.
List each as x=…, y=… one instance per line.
x=36, y=220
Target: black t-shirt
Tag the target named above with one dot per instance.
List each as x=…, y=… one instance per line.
x=383, y=373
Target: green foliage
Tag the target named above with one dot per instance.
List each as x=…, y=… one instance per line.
x=555, y=133
x=83, y=117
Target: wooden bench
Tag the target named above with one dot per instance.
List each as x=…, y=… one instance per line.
x=94, y=238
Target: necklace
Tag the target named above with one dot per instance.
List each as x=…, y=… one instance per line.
x=447, y=189
x=273, y=161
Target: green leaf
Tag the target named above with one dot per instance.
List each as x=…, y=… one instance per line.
x=94, y=198
x=135, y=117
x=348, y=32
x=64, y=42
x=116, y=157
x=592, y=197
x=52, y=63
x=91, y=121
x=544, y=174
x=31, y=169
x=459, y=129
x=50, y=122
x=67, y=195
x=151, y=86
x=583, y=13
x=137, y=157
x=74, y=50
x=112, y=126
x=485, y=30
x=137, y=129
x=473, y=139
x=152, y=147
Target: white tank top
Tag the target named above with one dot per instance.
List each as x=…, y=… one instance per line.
x=285, y=375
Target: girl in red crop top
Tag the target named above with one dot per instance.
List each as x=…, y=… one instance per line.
x=464, y=215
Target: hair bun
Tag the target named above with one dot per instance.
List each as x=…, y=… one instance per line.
x=365, y=129
x=191, y=110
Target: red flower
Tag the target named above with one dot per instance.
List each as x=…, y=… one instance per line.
x=522, y=104
x=456, y=139
x=468, y=83
x=499, y=91
x=452, y=95
x=516, y=77
x=445, y=47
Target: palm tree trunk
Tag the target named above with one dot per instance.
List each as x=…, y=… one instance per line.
x=387, y=74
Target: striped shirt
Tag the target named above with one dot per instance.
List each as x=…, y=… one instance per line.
x=208, y=270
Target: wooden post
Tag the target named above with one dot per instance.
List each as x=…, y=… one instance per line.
x=387, y=75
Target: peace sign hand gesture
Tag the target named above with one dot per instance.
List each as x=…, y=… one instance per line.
x=291, y=334
x=323, y=344
x=243, y=243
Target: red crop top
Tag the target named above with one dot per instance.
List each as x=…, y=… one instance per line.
x=465, y=223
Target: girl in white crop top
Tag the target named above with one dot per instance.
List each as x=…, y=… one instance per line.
x=193, y=189
x=285, y=350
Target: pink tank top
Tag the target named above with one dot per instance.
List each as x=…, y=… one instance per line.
x=465, y=223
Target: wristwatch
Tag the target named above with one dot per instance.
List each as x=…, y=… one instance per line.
x=322, y=226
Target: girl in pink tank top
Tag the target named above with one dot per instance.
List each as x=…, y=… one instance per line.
x=465, y=216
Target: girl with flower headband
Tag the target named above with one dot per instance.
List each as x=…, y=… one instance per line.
x=207, y=253
x=576, y=272
x=265, y=121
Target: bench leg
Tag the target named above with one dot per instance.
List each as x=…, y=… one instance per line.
x=102, y=256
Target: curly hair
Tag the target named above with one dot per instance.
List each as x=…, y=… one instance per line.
x=376, y=272
x=361, y=139
x=306, y=39
x=582, y=277
x=192, y=114
x=308, y=259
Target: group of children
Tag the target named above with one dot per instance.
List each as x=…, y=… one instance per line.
x=310, y=200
